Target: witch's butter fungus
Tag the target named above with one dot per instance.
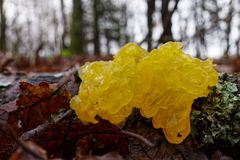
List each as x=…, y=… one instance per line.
x=162, y=84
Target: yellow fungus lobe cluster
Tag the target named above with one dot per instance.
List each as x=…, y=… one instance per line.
x=162, y=84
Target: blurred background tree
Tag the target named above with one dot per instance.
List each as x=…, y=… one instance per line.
x=150, y=11
x=2, y=27
x=41, y=27
x=77, y=28
x=64, y=24
x=166, y=18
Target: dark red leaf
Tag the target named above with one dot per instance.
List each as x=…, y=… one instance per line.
x=36, y=103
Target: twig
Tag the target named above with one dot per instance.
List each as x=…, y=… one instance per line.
x=40, y=128
x=69, y=112
x=29, y=134
x=143, y=139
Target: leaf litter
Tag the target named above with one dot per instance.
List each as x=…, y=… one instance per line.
x=53, y=131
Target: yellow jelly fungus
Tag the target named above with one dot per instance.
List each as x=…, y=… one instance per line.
x=162, y=84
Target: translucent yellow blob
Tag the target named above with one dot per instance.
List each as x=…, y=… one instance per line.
x=162, y=84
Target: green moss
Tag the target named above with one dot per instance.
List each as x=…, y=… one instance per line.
x=216, y=118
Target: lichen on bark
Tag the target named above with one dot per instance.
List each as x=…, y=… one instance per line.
x=216, y=119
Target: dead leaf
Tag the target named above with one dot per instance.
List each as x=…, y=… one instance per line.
x=103, y=137
x=58, y=138
x=6, y=145
x=52, y=136
x=36, y=103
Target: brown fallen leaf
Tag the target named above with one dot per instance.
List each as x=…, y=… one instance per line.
x=53, y=138
x=58, y=138
x=107, y=137
x=36, y=103
x=6, y=144
x=12, y=117
x=104, y=141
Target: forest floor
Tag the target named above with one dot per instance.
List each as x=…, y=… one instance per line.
x=36, y=121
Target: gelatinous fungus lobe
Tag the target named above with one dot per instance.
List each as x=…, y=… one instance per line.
x=162, y=84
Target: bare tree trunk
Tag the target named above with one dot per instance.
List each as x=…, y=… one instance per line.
x=228, y=29
x=77, y=45
x=166, y=17
x=200, y=32
x=238, y=48
x=17, y=31
x=238, y=44
x=150, y=11
x=96, y=39
x=125, y=36
x=3, y=27
x=64, y=21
